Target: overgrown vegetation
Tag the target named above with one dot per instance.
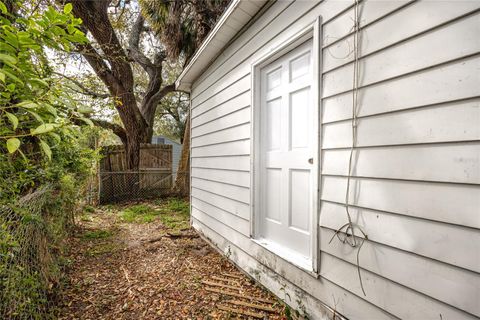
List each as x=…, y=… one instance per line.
x=49, y=130
x=44, y=158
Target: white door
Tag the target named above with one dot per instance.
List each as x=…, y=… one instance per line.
x=287, y=140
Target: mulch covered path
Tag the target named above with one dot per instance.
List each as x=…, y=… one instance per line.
x=153, y=270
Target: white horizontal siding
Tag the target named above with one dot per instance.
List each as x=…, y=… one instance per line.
x=235, y=207
x=233, y=148
x=229, y=120
x=410, y=56
x=239, y=163
x=454, y=162
x=371, y=11
x=288, y=23
x=391, y=297
x=201, y=210
x=456, y=121
x=415, y=189
x=233, y=98
x=432, y=201
x=435, y=240
x=239, y=178
x=239, y=132
x=458, y=80
x=237, y=193
x=421, y=16
x=438, y=280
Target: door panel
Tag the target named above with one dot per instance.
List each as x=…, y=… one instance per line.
x=287, y=138
x=273, y=124
x=299, y=118
x=300, y=200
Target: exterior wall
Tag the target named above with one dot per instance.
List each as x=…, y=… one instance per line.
x=416, y=178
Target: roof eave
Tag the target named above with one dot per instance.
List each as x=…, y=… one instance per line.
x=237, y=15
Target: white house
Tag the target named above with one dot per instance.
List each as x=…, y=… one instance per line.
x=308, y=114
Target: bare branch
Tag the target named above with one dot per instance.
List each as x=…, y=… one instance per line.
x=85, y=90
x=155, y=99
x=102, y=70
x=134, y=51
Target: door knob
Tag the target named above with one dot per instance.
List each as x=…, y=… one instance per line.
x=310, y=160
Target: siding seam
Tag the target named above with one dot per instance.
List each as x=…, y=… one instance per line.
x=426, y=106
x=220, y=195
x=410, y=73
x=418, y=34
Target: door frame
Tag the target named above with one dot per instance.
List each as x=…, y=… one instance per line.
x=311, y=32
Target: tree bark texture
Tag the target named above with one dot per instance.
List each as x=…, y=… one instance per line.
x=112, y=64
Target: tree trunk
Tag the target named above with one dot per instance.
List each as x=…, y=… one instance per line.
x=182, y=183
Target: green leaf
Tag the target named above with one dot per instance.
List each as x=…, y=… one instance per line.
x=11, y=76
x=36, y=116
x=27, y=104
x=2, y=76
x=3, y=8
x=46, y=149
x=55, y=136
x=50, y=109
x=11, y=38
x=13, y=144
x=11, y=87
x=13, y=119
x=68, y=8
x=7, y=58
x=87, y=121
x=40, y=81
x=43, y=128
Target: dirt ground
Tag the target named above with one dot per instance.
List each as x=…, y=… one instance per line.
x=142, y=261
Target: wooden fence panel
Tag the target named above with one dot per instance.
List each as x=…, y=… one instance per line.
x=153, y=179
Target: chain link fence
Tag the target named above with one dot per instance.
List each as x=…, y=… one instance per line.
x=30, y=246
x=134, y=185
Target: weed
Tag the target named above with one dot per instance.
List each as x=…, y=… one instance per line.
x=178, y=206
x=89, y=209
x=139, y=214
x=288, y=312
x=174, y=222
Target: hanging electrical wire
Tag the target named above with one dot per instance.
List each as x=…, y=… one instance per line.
x=346, y=233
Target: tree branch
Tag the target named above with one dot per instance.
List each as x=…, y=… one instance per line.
x=85, y=90
x=134, y=52
x=102, y=70
x=116, y=129
x=155, y=99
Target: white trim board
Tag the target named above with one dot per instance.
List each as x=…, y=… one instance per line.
x=312, y=31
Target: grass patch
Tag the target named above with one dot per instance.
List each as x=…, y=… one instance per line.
x=97, y=234
x=88, y=208
x=175, y=214
x=139, y=214
x=178, y=206
x=175, y=222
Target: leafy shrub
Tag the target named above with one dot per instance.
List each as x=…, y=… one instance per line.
x=44, y=159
